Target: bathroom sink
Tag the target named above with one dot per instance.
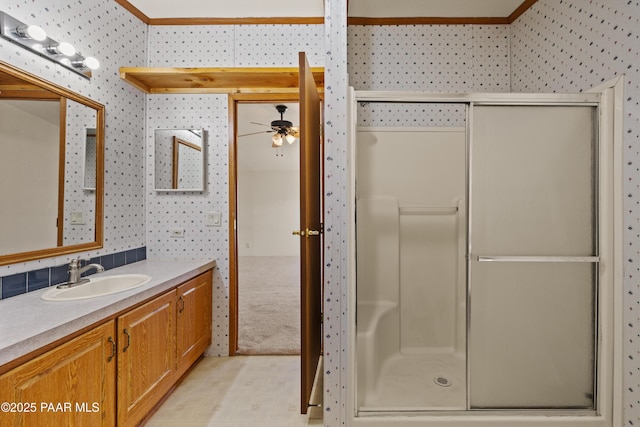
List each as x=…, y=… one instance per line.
x=100, y=286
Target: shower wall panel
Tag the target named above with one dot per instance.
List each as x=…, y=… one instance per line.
x=423, y=169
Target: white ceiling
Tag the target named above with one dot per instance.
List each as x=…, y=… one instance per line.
x=229, y=9
x=155, y=9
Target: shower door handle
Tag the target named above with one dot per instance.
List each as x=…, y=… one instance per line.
x=538, y=258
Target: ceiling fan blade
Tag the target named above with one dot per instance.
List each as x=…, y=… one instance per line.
x=261, y=124
x=255, y=133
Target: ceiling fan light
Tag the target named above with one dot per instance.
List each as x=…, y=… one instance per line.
x=277, y=140
x=290, y=138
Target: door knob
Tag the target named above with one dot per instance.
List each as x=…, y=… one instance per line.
x=306, y=232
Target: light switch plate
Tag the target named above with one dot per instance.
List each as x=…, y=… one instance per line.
x=214, y=219
x=77, y=218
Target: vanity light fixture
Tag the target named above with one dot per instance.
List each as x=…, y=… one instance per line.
x=31, y=32
x=63, y=48
x=35, y=39
x=88, y=62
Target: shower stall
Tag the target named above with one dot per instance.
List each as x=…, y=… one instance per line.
x=481, y=260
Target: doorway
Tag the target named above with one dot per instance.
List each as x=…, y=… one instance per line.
x=268, y=200
x=265, y=257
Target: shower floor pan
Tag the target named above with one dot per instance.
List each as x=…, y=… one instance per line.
x=419, y=382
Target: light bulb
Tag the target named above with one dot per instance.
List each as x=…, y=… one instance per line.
x=66, y=49
x=290, y=138
x=32, y=32
x=91, y=62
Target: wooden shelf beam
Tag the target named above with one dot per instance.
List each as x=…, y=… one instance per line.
x=216, y=80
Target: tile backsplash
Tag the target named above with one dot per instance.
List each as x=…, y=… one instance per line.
x=29, y=281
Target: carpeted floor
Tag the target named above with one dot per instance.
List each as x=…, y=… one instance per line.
x=269, y=305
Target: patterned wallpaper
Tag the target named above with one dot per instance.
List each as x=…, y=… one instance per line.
x=430, y=58
x=336, y=341
x=569, y=46
x=217, y=46
x=556, y=46
x=107, y=31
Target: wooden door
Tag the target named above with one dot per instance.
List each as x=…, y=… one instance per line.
x=71, y=385
x=310, y=231
x=193, y=320
x=146, y=358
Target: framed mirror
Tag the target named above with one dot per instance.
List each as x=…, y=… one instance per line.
x=48, y=209
x=179, y=159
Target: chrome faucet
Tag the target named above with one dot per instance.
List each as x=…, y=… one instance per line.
x=75, y=272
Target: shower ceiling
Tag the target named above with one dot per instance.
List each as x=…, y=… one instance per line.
x=157, y=9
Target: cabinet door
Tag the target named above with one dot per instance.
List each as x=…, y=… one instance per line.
x=146, y=357
x=194, y=320
x=71, y=385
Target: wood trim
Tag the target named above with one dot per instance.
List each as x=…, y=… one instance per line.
x=521, y=9
x=176, y=157
x=99, y=192
x=233, y=235
x=134, y=11
x=62, y=149
x=427, y=20
x=275, y=20
x=234, y=100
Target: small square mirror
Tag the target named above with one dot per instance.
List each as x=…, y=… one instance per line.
x=179, y=159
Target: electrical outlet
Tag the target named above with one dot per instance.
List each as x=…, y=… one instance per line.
x=214, y=219
x=176, y=232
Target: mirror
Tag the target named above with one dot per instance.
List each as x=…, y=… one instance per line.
x=179, y=159
x=89, y=169
x=51, y=169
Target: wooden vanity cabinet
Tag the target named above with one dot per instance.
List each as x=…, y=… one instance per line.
x=193, y=321
x=158, y=342
x=71, y=385
x=116, y=373
x=146, y=357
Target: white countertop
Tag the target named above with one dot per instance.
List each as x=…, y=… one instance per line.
x=28, y=323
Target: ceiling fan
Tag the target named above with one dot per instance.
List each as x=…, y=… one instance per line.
x=283, y=130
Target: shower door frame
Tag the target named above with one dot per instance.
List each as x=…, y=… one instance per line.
x=608, y=402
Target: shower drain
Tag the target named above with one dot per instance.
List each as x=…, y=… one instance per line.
x=442, y=381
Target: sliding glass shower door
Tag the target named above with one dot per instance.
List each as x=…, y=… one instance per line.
x=533, y=257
